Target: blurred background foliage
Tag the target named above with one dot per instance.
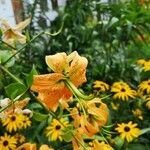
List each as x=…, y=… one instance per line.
x=112, y=35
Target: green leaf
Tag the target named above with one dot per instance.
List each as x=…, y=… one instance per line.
x=68, y=134
x=118, y=143
x=15, y=89
x=29, y=77
x=4, y=56
x=143, y=131
x=1, y=33
x=138, y=147
x=39, y=116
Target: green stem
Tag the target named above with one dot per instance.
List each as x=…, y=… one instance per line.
x=56, y=33
x=35, y=37
x=13, y=101
x=56, y=117
x=39, y=101
x=76, y=92
x=22, y=48
x=10, y=74
x=9, y=45
x=143, y=131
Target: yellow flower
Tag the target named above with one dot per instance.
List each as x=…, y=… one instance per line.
x=51, y=87
x=137, y=113
x=141, y=61
x=19, y=137
x=128, y=131
x=11, y=35
x=100, y=146
x=26, y=121
x=13, y=122
x=7, y=142
x=55, y=130
x=102, y=86
x=148, y=102
x=145, y=64
x=122, y=91
x=145, y=86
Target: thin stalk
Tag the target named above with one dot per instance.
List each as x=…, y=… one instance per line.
x=22, y=48
x=76, y=92
x=39, y=101
x=8, y=45
x=10, y=74
x=16, y=99
x=35, y=37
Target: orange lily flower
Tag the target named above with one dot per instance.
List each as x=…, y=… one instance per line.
x=100, y=146
x=45, y=147
x=11, y=35
x=16, y=107
x=30, y=146
x=98, y=110
x=77, y=141
x=27, y=146
x=51, y=87
x=96, y=117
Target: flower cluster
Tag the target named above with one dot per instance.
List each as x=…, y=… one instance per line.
x=50, y=111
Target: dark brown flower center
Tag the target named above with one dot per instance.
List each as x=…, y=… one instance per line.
x=123, y=90
x=5, y=143
x=13, y=118
x=57, y=127
x=148, y=83
x=126, y=129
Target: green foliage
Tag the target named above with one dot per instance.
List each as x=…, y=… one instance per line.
x=112, y=36
x=15, y=89
x=106, y=33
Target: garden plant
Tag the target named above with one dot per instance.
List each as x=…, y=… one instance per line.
x=80, y=81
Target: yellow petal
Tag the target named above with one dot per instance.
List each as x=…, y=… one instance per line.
x=45, y=147
x=27, y=146
x=22, y=24
x=57, y=62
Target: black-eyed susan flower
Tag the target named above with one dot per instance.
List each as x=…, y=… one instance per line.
x=55, y=130
x=13, y=122
x=26, y=122
x=148, y=102
x=137, y=113
x=19, y=137
x=145, y=86
x=141, y=61
x=122, y=91
x=145, y=64
x=128, y=131
x=7, y=142
x=101, y=86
